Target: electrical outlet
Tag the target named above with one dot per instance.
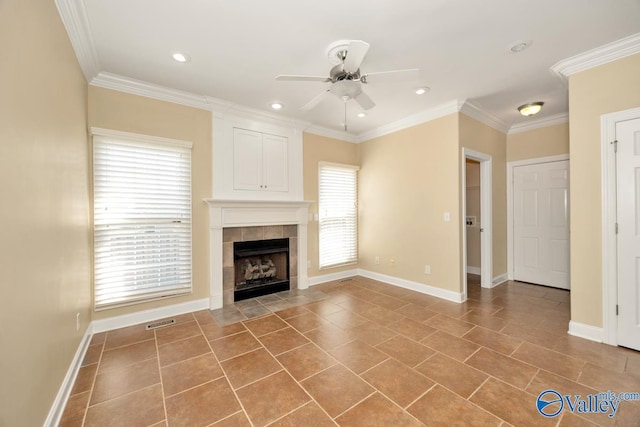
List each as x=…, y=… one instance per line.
x=377, y=260
x=392, y=262
x=308, y=263
x=77, y=322
x=427, y=269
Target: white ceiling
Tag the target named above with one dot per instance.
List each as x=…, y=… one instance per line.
x=238, y=47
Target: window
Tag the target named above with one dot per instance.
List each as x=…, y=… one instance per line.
x=141, y=218
x=338, y=214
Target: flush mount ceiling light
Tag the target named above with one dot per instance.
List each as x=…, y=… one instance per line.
x=362, y=114
x=530, y=109
x=180, y=57
x=520, y=45
x=277, y=106
x=422, y=90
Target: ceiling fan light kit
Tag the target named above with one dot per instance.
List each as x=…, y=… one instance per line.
x=345, y=76
x=530, y=109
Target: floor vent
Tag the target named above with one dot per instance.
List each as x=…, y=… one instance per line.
x=348, y=279
x=161, y=324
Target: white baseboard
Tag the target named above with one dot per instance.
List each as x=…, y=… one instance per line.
x=125, y=320
x=474, y=270
x=55, y=413
x=414, y=286
x=499, y=280
x=585, y=331
x=316, y=280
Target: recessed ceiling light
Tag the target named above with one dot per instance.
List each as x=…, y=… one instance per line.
x=362, y=114
x=531, y=108
x=277, y=106
x=520, y=45
x=422, y=90
x=180, y=57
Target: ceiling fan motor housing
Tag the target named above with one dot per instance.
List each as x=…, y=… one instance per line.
x=338, y=74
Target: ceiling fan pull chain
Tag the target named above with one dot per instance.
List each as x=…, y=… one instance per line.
x=345, y=114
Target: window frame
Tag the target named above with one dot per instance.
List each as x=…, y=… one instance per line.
x=139, y=140
x=355, y=169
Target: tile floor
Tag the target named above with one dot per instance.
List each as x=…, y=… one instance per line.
x=354, y=353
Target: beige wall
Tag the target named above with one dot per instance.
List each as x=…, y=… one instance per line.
x=543, y=142
x=44, y=247
x=125, y=112
x=316, y=149
x=480, y=137
x=605, y=89
x=408, y=179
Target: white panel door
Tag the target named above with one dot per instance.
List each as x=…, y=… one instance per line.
x=275, y=163
x=247, y=160
x=541, y=223
x=628, y=197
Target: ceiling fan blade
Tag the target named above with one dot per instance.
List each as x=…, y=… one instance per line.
x=286, y=78
x=315, y=101
x=355, y=54
x=365, y=102
x=391, y=76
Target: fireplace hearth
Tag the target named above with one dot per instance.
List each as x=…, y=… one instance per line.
x=261, y=267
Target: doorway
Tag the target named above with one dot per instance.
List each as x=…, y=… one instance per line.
x=541, y=223
x=473, y=217
x=484, y=223
x=620, y=149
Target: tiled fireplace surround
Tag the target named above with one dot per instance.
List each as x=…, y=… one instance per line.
x=238, y=220
x=245, y=234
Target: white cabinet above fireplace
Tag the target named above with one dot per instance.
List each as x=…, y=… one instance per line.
x=256, y=159
x=260, y=161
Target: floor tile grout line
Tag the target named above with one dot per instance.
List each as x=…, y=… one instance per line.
x=125, y=345
x=246, y=414
x=291, y=376
x=164, y=400
x=375, y=390
x=93, y=384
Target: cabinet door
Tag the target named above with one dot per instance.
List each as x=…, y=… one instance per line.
x=275, y=165
x=247, y=160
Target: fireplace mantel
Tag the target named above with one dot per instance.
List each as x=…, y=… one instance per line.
x=253, y=213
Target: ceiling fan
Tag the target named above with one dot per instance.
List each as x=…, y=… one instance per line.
x=346, y=78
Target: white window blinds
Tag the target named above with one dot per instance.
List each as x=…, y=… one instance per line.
x=142, y=219
x=338, y=214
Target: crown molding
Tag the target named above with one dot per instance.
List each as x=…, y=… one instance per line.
x=220, y=108
x=442, y=110
x=75, y=21
x=331, y=133
x=543, y=122
x=598, y=56
x=150, y=90
x=490, y=120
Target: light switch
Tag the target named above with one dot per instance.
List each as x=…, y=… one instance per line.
x=447, y=216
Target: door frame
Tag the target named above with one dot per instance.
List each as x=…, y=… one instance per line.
x=510, y=166
x=486, y=218
x=608, y=124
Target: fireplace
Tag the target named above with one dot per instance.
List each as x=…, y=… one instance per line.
x=261, y=267
x=246, y=220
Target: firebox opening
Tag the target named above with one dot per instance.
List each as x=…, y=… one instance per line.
x=261, y=267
